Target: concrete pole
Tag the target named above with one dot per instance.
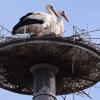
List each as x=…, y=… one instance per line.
x=44, y=84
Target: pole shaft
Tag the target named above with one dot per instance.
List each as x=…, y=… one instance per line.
x=44, y=84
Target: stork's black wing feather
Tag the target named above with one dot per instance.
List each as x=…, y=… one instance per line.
x=26, y=22
x=22, y=18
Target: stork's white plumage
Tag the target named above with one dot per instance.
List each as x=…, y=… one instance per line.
x=37, y=22
x=53, y=16
x=60, y=23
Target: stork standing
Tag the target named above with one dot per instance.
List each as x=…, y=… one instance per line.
x=53, y=16
x=37, y=22
x=60, y=23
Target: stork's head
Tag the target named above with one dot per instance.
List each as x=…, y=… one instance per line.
x=50, y=8
x=62, y=13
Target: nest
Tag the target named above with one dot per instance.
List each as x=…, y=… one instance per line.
x=78, y=63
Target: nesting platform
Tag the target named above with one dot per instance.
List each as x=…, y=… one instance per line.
x=78, y=63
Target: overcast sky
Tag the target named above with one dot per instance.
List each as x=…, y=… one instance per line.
x=81, y=13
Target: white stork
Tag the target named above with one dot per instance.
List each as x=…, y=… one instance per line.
x=37, y=22
x=60, y=23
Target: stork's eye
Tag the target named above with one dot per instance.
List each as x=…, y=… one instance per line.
x=51, y=6
x=63, y=12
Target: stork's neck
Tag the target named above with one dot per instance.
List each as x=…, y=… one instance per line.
x=60, y=24
x=60, y=18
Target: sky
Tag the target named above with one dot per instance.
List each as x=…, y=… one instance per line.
x=84, y=14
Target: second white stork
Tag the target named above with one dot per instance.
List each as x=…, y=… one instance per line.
x=60, y=23
x=37, y=22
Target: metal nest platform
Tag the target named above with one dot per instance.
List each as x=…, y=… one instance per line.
x=77, y=61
